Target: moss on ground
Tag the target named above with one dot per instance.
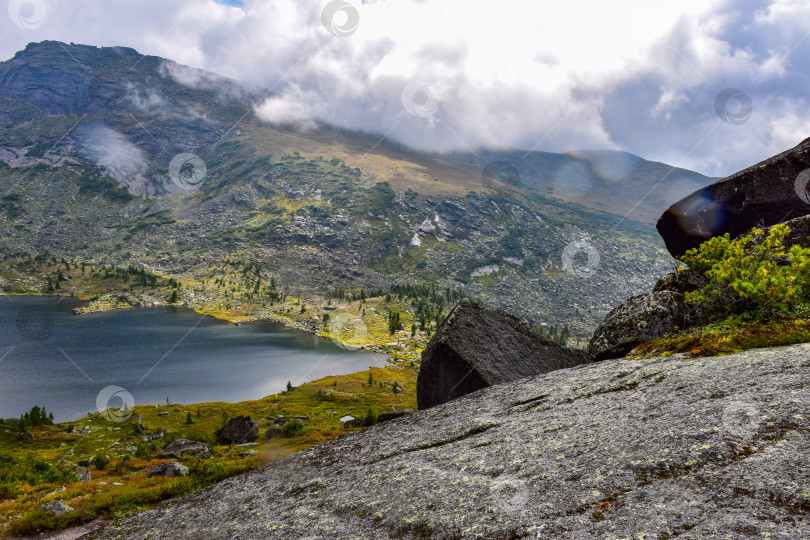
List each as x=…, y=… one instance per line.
x=731, y=335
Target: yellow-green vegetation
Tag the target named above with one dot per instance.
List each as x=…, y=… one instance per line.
x=36, y=471
x=733, y=334
x=752, y=273
x=756, y=296
x=104, y=286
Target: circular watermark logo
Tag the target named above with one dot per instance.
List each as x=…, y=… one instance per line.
x=741, y=419
x=801, y=185
x=123, y=412
x=27, y=14
x=502, y=171
x=508, y=493
x=420, y=99
x=580, y=258
x=187, y=171
x=723, y=106
x=340, y=18
x=348, y=331
x=34, y=324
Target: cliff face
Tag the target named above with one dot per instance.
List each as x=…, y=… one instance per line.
x=693, y=448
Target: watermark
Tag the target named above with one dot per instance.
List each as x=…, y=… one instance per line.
x=348, y=331
x=801, y=185
x=122, y=413
x=420, y=99
x=340, y=18
x=34, y=324
x=187, y=171
x=741, y=419
x=722, y=104
x=509, y=494
x=502, y=171
x=580, y=258
x=27, y=14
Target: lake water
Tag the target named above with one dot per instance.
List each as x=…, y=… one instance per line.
x=53, y=358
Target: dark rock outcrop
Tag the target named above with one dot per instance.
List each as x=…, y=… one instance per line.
x=636, y=321
x=770, y=192
x=185, y=447
x=476, y=347
x=240, y=429
x=664, y=447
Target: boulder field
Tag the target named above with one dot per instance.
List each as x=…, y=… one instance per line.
x=658, y=448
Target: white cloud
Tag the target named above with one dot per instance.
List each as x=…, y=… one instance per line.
x=631, y=74
x=290, y=108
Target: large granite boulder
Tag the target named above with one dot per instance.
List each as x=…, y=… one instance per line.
x=686, y=448
x=638, y=320
x=476, y=347
x=185, y=447
x=770, y=192
x=240, y=429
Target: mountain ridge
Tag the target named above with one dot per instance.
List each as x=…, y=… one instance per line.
x=320, y=209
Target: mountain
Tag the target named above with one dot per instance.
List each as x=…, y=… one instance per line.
x=110, y=155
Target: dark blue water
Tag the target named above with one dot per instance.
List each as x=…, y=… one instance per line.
x=52, y=358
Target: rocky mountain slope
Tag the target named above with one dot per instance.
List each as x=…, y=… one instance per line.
x=660, y=448
x=109, y=155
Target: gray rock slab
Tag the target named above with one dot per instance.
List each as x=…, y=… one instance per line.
x=657, y=448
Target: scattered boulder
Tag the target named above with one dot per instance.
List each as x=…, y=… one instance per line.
x=26, y=436
x=185, y=447
x=170, y=469
x=272, y=433
x=83, y=476
x=476, y=347
x=239, y=430
x=768, y=193
x=155, y=436
x=85, y=462
x=636, y=321
x=56, y=508
x=7, y=288
x=354, y=423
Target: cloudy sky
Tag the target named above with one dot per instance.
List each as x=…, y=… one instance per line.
x=711, y=85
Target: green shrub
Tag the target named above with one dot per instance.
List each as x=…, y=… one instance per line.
x=100, y=461
x=753, y=273
x=370, y=418
x=144, y=450
x=292, y=428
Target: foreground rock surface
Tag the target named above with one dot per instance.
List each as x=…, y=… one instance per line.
x=476, y=347
x=665, y=447
x=770, y=192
